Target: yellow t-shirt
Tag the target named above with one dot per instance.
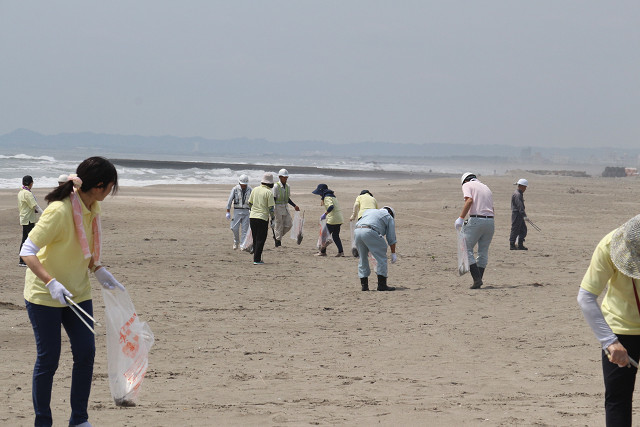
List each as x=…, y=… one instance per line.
x=60, y=253
x=27, y=204
x=335, y=216
x=261, y=199
x=365, y=201
x=619, y=303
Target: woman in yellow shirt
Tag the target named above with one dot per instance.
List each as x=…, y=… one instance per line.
x=333, y=215
x=60, y=251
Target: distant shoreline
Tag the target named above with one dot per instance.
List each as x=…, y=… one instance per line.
x=301, y=170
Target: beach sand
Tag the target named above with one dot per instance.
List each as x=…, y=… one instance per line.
x=295, y=341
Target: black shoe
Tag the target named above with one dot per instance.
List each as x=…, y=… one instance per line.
x=278, y=243
x=513, y=247
x=364, y=282
x=382, y=284
x=522, y=248
x=477, y=277
x=354, y=252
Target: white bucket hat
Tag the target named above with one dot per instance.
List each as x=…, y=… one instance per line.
x=63, y=178
x=267, y=178
x=522, y=181
x=625, y=248
x=283, y=172
x=244, y=179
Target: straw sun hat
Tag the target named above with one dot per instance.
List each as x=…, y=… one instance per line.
x=625, y=248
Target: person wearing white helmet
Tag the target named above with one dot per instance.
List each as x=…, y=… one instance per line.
x=239, y=198
x=518, y=217
x=478, y=203
x=282, y=197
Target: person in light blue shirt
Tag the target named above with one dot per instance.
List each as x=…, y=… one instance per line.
x=370, y=234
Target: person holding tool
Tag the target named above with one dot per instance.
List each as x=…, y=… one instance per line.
x=332, y=214
x=282, y=196
x=615, y=266
x=518, y=217
x=60, y=251
x=239, y=198
x=28, y=207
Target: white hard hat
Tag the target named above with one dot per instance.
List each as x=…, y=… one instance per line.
x=466, y=176
x=244, y=179
x=522, y=181
x=389, y=209
x=283, y=172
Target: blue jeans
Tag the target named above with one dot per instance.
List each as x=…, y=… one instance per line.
x=479, y=231
x=46, y=322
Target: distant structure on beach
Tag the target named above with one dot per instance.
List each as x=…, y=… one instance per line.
x=614, y=172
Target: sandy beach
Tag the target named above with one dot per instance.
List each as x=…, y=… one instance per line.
x=295, y=341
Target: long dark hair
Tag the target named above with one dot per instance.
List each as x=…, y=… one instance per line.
x=95, y=172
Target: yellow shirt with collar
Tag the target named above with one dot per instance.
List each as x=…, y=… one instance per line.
x=261, y=199
x=619, y=306
x=335, y=216
x=364, y=202
x=60, y=253
x=27, y=204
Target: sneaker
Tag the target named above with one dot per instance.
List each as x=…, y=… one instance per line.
x=321, y=254
x=258, y=262
x=22, y=264
x=339, y=254
x=235, y=246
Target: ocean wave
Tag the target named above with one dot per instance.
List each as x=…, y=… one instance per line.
x=28, y=157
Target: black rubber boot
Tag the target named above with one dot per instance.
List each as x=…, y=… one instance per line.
x=477, y=277
x=512, y=246
x=364, y=282
x=382, y=284
x=278, y=242
x=481, y=270
x=521, y=246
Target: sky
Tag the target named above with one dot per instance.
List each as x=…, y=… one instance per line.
x=524, y=73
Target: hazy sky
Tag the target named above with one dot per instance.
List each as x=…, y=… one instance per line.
x=542, y=73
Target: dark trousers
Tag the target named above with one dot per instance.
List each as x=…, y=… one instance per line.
x=518, y=228
x=259, y=231
x=334, y=229
x=26, y=229
x=619, y=384
x=46, y=323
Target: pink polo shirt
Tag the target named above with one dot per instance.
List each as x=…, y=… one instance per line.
x=481, y=196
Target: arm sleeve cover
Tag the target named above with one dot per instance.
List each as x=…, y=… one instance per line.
x=592, y=313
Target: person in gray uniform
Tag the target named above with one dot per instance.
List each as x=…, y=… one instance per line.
x=239, y=197
x=370, y=233
x=518, y=217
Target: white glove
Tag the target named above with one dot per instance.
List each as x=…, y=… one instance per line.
x=106, y=279
x=228, y=215
x=58, y=291
x=525, y=218
x=352, y=217
x=394, y=258
x=459, y=223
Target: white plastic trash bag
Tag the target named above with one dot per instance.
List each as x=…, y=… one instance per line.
x=296, y=228
x=128, y=343
x=352, y=230
x=324, y=238
x=248, y=241
x=463, y=258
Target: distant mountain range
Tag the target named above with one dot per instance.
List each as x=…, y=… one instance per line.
x=26, y=141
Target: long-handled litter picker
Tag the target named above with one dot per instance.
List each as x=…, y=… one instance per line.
x=533, y=225
x=75, y=306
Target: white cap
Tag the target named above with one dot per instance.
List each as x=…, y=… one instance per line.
x=267, y=178
x=244, y=179
x=63, y=178
x=283, y=172
x=466, y=175
x=522, y=181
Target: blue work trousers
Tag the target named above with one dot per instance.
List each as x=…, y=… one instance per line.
x=369, y=240
x=46, y=323
x=479, y=231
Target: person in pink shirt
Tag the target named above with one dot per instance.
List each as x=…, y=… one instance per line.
x=478, y=203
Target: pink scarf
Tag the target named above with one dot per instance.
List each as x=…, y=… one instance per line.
x=82, y=237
